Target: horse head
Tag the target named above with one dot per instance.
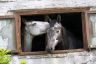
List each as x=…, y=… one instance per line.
x=53, y=33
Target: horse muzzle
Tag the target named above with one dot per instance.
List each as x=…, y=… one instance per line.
x=49, y=50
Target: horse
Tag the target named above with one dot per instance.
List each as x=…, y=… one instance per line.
x=58, y=36
x=32, y=29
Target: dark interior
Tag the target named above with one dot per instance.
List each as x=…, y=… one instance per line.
x=41, y=39
x=38, y=42
x=71, y=21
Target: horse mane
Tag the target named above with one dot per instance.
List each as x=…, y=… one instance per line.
x=64, y=38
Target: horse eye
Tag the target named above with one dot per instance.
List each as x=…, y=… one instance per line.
x=57, y=31
x=33, y=24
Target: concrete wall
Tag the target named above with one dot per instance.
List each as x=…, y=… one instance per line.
x=67, y=58
x=40, y=4
x=7, y=31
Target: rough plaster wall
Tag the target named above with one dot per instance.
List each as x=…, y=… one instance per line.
x=52, y=4
x=5, y=7
x=67, y=58
x=6, y=31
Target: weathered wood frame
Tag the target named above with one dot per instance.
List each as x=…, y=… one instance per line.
x=90, y=27
x=10, y=17
x=85, y=26
x=7, y=17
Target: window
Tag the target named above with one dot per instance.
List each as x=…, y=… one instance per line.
x=92, y=29
x=7, y=33
x=73, y=19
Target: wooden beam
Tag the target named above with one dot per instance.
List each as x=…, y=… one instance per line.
x=54, y=52
x=7, y=17
x=50, y=11
x=18, y=33
x=86, y=30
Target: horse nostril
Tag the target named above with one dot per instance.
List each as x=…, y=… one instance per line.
x=49, y=50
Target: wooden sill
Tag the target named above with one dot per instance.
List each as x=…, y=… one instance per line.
x=13, y=52
x=55, y=52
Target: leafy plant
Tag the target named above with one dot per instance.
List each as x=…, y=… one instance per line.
x=5, y=58
x=23, y=61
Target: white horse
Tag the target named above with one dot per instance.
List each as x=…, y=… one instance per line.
x=32, y=29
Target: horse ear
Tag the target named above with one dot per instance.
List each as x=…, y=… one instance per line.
x=47, y=19
x=59, y=18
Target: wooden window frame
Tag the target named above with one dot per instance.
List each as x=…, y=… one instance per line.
x=85, y=26
x=9, y=17
x=90, y=31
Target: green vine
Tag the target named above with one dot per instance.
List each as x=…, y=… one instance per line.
x=5, y=58
x=23, y=61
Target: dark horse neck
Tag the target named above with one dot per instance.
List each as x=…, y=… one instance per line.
x=63, y=40
x=68, y=41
